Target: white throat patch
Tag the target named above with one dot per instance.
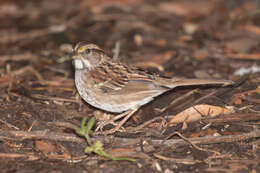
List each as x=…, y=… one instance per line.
x=82, y=63
x=78, y=64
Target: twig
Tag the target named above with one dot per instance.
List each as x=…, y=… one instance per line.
x=62, y=124
x=28, y=156
x=188, y=140
x=4, y=80
x=18, y=57
x=43, y=97
x=22, y=135
x=175, y=160
x=136, y=129
x=234, y=118
x=9, y=125
x=18, y=36
x=116, y=51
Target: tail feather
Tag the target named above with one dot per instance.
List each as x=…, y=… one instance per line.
x=175, y=82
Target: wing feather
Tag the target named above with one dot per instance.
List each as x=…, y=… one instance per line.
x=118, y=79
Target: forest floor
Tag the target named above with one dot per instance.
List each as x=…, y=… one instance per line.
x=188, y=129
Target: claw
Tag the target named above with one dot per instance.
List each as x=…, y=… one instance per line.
x=118, y=126
x=102, y=124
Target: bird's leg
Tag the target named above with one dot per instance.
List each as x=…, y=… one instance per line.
x=112, y=121
x=126, y=116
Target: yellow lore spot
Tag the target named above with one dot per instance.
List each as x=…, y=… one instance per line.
x=81, y=49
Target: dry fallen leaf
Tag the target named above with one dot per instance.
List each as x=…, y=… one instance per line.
x=253, y=56
x=183, y=8
x=195, y=113
x=45, y=146
x=99, y=5
x=160, y=42
x=201, y=54
x=237, y=100
x=252, y=28
x=242, y=45
x=126, y=152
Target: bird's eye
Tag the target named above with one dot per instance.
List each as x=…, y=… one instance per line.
x=87, y=51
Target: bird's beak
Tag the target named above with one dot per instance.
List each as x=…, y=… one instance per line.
x=77, y=57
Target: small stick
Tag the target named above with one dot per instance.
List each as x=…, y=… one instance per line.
x=189, y=141
x=23, y=135
x=135, y=129
x=116, y=51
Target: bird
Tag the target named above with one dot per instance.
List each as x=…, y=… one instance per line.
x=112, y=86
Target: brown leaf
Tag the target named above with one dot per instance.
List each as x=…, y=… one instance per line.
x=242, y=45
x=99, y=5
x=183, y=8
x=197, y=112
x=253, y=56
x=206, y=132
x=160, y=43
x=252, y=28
x=45, y=146
x=126, y=152
x=201, y=54
x=237, y=100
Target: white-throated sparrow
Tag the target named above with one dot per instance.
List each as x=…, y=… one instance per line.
x=115, y=87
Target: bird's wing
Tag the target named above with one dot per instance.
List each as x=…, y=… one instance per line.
x=120, y=79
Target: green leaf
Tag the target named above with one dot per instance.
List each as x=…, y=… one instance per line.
x=85, y=130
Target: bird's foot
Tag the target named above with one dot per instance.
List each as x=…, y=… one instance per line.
x=118, y=126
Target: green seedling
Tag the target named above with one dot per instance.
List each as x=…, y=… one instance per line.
x=63, y=59
x=97, y=147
